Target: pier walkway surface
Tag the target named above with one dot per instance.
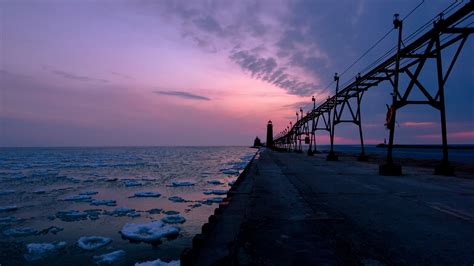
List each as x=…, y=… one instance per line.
x=292, y=209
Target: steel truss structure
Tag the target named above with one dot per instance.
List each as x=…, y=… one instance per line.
x=407, y=62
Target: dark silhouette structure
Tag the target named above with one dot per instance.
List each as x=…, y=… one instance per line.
x=257, y=142
x=406, y=60
x=270, y=134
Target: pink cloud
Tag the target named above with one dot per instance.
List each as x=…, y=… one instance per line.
x=418, y=124
x=455, y=135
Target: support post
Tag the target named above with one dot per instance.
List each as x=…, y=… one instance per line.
x=332, y=155
x=390, y=168
x=312, y=139
x=444, y=168
x=362, y=157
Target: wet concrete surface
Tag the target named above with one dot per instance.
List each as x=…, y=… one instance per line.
x=294, y=209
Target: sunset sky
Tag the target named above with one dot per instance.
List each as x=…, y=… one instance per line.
x=93, y=73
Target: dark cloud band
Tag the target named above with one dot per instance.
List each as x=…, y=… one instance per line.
x=183, y=94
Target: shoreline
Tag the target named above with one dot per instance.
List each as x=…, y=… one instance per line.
x=206, y=238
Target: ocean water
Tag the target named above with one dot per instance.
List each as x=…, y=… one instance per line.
x=39, y=184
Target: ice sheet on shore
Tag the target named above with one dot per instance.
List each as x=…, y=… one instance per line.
x=147, y=194
x=158, y=262
x=39, y=251
x=93, y=242
x=104, y=203
x=21, y=231
x=182, y=184
x=173, y=219
x=110, y=258
x=8, y=208
x=148, y=232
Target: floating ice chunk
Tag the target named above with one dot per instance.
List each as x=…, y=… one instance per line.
x=89, y=193
x=104, y=202
x=22, y=231
x=171, y=212
x=145, y=194
x=9, y=219
x=110, y=258
x=231, y=183
x=52, y=229
x=216, y=192
x=158, y=262
x=174, y=219
x=39, y=251
x=93, y=214
x=215, y=182
x=78, y=198
x=214, y=200
x=122, y=211
x=133, y=183
x=176, y=199
x=182, y=184
x=148, y=232
x=155, y=211
x=8, y=208
x=112, y=179
x=196, y=205
x=133, y=214
x=7, y=192
x=147, y=178
x=230, y=172
x=93, y=242
x=71, y=215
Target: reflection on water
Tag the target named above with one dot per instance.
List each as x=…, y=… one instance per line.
x=63, y=194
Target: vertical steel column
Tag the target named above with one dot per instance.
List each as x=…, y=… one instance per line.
x=362, y=157
x=312, y=138
x=332, y=156
x=390, y=168
x=444, y=167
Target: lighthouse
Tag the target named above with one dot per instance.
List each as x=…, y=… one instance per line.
x=270, y=134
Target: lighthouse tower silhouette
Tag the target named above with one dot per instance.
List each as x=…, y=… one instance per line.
x=270, y=134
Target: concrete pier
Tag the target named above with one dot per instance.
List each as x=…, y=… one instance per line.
x=293, y=209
